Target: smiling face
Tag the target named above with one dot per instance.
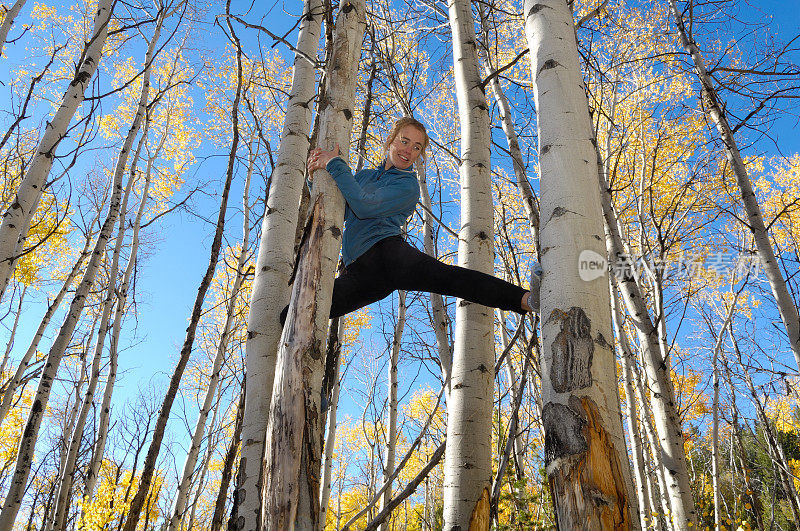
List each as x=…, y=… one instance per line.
x=406, y=147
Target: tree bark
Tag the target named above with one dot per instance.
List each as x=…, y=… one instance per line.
x=468, y=459
x=766, y=254
x=391, y=432
x=17, y=218
x=292, y=454
x=8, y=21
x=585, y=453
x=270, y=291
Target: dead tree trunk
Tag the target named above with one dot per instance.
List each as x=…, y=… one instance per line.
x=270, y=291
x=292, y=454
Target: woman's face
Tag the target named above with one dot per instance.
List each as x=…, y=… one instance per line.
x=406, y=147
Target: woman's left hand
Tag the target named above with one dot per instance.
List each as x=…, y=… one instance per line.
x=319, y=158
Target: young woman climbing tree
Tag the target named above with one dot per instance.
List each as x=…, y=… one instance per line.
x=377, y=260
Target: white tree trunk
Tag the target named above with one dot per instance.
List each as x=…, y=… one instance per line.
x=441, y=321
x=270, y=291
x=65, y=484
x=626, y=357
x=516, y=390
x=468, y=457
x=525, y=190
x=25, y=453
x=330, y=437
x=122, y=296
x=292, y=453
x=182, y=492
x=68, y=469
x=581, y=412
x=12, y=336
x=148, y=468
x=17, y=218
x=8, y=21
x=391, y=424
x=755, y=221
x=715, y=415
x=657, y=368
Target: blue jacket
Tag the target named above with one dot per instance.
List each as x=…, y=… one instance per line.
x=379, y=202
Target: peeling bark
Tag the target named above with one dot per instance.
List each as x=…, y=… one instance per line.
x=589, y=487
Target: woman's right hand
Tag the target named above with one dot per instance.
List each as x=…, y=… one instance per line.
x=319, y=158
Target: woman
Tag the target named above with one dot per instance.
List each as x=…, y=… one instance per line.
x=376, y=259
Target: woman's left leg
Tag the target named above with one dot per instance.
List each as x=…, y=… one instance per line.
x=413, y=270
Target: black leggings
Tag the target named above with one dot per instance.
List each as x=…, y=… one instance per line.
x=393, y=264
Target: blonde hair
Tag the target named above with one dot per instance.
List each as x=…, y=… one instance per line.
x=399, y=125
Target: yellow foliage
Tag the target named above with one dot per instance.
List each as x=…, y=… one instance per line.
x=109, y=505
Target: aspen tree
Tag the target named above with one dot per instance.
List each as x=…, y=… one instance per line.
x=391, y=403
x=12, y=335
x=330, y=436
x=715, y=458
x=440, y=320
x=468, y=459
x=69, y=462
x=665, y=413
x=585, y=452
x=8, y=20
x=17, y=217
x=292, y=454
x=755, y=221
x=93, y=470
x=626, y=357
x=65, y=484
x=16, y=380
x=270, y=291
x=179, y=504
x=227, y=469
x=27, y=445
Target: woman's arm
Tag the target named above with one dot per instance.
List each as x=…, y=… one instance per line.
x=396, y=197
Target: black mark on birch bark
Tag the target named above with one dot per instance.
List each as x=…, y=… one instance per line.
x=572, y=351
x=547, y=65
x=563, y=429
x=536, y=8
